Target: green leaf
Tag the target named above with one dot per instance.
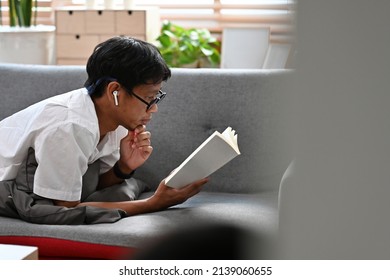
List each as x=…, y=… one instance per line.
x=20, y=12
x=166, y=25
x=183, y=59
x=165, y=40
x=215, y=58
x=26, y=10
x=206, y=51
x=169, y=33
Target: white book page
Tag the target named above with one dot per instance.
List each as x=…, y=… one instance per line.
x=231, y=137
x=211, y=155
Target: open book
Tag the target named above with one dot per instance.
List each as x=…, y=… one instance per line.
x=212, y=154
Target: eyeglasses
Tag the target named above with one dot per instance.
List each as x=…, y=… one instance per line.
x=160, y=96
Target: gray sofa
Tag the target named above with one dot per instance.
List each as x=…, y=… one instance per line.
x=243, y=195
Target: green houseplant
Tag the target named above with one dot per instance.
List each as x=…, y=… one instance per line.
x=182, y=47
x=21, y=12
x=21, y=39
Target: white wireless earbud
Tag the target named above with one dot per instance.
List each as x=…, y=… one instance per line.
x=115, y=94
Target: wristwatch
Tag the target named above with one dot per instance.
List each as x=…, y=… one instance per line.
x=118, y=173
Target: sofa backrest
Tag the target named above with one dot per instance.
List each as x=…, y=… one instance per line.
x=23, y=85
x=199, y=101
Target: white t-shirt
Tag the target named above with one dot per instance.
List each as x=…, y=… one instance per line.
x=64, y=132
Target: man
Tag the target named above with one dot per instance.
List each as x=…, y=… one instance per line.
x=103, y=123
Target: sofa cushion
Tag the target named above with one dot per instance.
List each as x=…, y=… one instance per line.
x=255, y=213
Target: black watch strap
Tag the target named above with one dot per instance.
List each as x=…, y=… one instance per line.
x=118, y=173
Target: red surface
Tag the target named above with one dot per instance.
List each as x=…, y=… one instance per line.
x=55, y=248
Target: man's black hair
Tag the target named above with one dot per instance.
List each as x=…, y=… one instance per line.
x=128, y=60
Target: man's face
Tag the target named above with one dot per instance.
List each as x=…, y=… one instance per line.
x=133, y=111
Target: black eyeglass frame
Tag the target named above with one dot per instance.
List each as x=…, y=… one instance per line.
x=160, y=96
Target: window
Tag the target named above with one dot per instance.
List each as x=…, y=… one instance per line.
x=217, y=14
x=211, y=14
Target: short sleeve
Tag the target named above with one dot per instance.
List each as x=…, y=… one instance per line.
x=111, y=150
x=62, y=154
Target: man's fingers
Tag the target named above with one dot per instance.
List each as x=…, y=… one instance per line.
x=144, y=136
x=143, y=139
x=198, y=184
x=139, y=129
x=147, y=150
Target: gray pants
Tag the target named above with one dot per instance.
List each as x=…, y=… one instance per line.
x=17, y=199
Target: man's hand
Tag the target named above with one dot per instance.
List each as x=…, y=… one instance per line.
x=166, y=196
x=135, y=149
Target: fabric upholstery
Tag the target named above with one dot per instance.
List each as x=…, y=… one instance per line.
x=243, y=193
